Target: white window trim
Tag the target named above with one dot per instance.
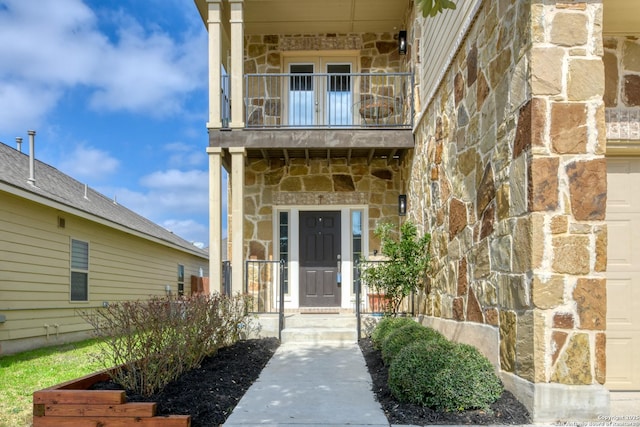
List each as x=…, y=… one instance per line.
x=77, y=270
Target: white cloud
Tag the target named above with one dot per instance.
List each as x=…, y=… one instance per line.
x=166, y=194
x=146, y=73
x=89, y=163
x=56, y=46
x=185, y=155
x=177, y=200
x=174, y=178
x=189, y=230
x=24, y=106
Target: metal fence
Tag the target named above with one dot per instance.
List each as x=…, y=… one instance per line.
x=329, y=100
x=376, y=304
x=264, y=282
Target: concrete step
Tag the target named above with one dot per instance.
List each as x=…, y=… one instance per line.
x=320, y=321
x=320, y=329
x=318, y=335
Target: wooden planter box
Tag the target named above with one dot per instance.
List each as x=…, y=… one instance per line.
x=71, y=404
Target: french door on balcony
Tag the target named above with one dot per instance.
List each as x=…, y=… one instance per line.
x=319, y=91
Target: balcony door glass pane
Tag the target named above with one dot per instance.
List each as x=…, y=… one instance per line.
x=339, y=95
x=302, y=106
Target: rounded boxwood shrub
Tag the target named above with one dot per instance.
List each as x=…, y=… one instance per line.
x=412, y=373
x=468, y=382
x=400, y=337
x=444, y=375
x=386, y=326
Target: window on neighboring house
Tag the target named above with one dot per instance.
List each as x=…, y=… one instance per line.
x=79, y=270
x=180, y=279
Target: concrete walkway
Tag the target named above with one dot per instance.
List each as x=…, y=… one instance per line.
x=328, y=384
x=311, y=384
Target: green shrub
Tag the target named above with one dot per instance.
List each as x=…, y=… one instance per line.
x=444, y=376
x=405, y=267
x=386, y=326
x=468, y=382
x=412, y=374
x=400, y=337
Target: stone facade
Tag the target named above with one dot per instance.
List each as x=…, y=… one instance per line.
x=509, y=177
x=270, y=185
x=622, y=87
x=376, y=53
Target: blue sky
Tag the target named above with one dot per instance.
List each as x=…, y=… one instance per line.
x=117, y=93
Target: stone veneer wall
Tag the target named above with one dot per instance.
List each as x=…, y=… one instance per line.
x=271, y=184
x=622, y=87
x=509, y=177
x=377, y=53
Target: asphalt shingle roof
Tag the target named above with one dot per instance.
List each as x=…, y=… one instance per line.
x=56, y=186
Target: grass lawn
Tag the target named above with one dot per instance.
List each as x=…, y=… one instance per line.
x=23, y=373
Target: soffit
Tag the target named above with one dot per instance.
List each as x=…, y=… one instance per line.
x=320, y=16
x=344, y=16
x=621, y=17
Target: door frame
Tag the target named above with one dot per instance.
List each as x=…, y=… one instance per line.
x=292, y=298
x=320, y=60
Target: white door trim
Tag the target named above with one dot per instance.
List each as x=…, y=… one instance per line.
x=292, y=299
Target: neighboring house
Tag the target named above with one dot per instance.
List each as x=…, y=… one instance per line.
x=65, y=248
x=497, y=135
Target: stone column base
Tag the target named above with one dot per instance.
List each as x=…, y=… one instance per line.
x=551, y=402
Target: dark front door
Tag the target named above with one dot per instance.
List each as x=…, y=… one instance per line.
x=319, y=254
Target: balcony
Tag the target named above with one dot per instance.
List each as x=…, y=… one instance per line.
x=325, y=100
x=327, y=115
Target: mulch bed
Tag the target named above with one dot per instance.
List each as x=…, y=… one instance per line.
x=507, y=410
x=210, y=393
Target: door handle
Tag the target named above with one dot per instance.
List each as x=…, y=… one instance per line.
x=339, y=272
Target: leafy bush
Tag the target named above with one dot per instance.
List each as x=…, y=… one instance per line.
x=468, y=382
x=151, y=342
x=405, y=335
x=443, y=375
x=406, y=265
x=412, y=374
x=386, y=326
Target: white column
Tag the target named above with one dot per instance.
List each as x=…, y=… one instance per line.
x=237, y=63
x=215, y=218
x=237, y=221
x=214, y=27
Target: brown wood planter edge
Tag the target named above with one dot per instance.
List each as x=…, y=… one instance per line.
x=72, y=404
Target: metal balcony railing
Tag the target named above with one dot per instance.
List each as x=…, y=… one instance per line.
x=265, y=284
x=326, y=100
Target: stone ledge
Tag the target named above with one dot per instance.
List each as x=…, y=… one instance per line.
x=548, y=402
x=484, y=338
